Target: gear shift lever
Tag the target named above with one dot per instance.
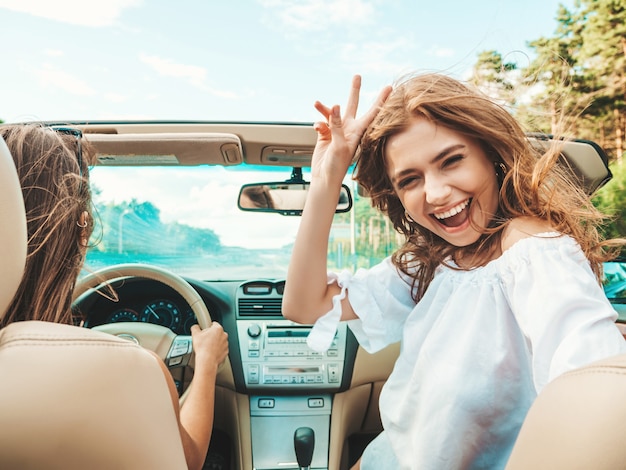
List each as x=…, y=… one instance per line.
x=304, y=443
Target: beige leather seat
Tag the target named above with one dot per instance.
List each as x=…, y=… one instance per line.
x=12, y=228
x=578, y=422
x=73, y=398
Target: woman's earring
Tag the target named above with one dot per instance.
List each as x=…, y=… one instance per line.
x=82, y=223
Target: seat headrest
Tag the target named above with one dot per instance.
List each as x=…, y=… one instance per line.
x=13, y=235
x=587, y=161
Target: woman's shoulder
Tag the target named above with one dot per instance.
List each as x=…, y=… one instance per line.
x=524, y=227
x=533, y=241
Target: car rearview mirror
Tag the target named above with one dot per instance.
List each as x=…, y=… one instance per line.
x=286, y=198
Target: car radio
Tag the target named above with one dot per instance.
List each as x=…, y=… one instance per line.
x=275, y=354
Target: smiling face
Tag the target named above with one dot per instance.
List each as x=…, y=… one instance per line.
x=442, y=179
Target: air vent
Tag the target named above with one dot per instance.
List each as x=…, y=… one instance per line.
x=260, y=307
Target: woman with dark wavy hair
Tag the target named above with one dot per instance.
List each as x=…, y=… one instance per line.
x=496, y=290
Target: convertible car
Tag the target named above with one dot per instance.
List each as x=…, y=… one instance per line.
x=194, y=223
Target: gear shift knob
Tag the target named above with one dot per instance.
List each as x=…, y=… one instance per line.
x=304, y=443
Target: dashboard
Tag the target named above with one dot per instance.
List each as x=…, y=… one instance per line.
x=267, y=351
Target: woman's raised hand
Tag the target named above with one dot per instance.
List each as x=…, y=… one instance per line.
x=337, y=137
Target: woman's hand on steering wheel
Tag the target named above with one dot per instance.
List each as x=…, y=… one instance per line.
x=210, y=347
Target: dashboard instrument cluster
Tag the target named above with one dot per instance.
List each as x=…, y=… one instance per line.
x=141, y=302
x=163, y=312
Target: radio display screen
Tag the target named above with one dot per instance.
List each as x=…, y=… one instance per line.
x=292, y=370
x=296, y=333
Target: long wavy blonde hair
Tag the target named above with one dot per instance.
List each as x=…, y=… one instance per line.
x=531, y=182
x=56, y=194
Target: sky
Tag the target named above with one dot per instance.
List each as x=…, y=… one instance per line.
x=244, y=60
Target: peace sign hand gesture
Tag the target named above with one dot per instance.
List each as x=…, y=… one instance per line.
x=337, y=137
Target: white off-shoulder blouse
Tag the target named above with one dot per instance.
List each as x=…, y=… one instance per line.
x=475, y=350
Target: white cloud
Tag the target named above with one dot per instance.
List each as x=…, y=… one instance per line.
x=78, y=12
x=50, y=76
x=115, y=97
x=168, y=68
x=193, y=74
x=437, y=51
x=317, y=15
x=376, y=56
x=53, y=52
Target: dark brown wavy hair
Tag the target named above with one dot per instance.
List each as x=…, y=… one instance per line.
x=531, y=183
x=56, y=194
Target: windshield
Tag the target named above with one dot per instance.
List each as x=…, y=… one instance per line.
x=186, y=219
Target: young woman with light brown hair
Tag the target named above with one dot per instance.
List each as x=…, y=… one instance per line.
x=59, y=221
x=495, y=291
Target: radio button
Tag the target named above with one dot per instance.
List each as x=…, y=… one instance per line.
x=253, y=373
x=333, y=373
x=266, y=403
x=316, y=402
x=254, y=330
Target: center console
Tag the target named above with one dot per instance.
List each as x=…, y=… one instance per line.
x=290, y=386
x=275, y=419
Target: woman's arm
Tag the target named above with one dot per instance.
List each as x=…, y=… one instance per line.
x=195, y=417
x=307, y=294
x=559, y=305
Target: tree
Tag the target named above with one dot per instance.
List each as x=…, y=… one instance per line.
x=555, y=77
x=132, y=226
x=611, y=199
x=576, y=83
x=604, y=53
x=495, y=77
x=374, y=235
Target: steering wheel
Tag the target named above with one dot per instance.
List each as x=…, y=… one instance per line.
x=173, y=349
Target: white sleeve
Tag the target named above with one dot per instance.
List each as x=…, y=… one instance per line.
x=561, y=308
x=379, y=296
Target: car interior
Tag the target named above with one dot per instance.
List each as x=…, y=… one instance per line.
x=90, y=396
